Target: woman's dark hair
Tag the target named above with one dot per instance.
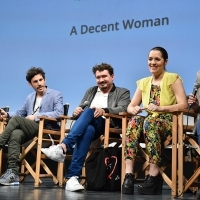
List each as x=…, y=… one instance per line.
x=162, y=51
x=34, y=71
x=103, y=66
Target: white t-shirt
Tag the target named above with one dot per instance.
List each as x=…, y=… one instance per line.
x=100, y=100
x=37, y=105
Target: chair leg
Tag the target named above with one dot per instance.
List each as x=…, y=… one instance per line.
x=1, y=159
x=60, y=174
x=38, y=154
x=48, y=171
x=22, y=167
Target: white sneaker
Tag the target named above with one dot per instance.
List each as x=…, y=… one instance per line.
x=73, y=184
x=54, y=152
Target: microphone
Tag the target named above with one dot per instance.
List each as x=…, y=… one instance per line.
x=194, y=92
x=85, y=104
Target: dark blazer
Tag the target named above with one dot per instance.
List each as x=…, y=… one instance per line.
x=118, y=100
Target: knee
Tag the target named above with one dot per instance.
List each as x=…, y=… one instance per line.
x=16, y=135
x=15, y=119
x=87, y=115
x=147, y=123
x=89, y=111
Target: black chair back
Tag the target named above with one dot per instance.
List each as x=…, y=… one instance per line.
x=66, y=108
x=6, y=109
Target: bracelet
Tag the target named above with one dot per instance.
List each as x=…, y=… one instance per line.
x=106, y=110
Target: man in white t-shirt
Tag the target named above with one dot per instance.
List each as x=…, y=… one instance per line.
x=100, y=99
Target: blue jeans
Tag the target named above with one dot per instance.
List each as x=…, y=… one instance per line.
x=198, y=130
x=85, y=130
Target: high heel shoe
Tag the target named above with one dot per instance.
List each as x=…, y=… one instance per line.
x=128, y=184
x=152, y=185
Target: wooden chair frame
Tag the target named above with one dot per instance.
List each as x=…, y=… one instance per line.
x=183, y=139
x=35, y=168
x=2, y=127
x=171, y=181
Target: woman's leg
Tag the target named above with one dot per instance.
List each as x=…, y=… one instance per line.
x=133, y=132
x=155, y=131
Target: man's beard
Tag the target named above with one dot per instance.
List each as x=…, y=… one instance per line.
x=104, y=85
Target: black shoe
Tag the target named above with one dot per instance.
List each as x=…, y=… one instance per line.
x=198, y=194
x=128, y=184
x=152, y=185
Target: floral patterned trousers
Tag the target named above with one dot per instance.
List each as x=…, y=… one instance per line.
x=154, y=130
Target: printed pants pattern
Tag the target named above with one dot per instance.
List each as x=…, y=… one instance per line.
x=154, y=130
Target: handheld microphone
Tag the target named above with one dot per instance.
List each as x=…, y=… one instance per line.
x=194, y=92
x=85, y=104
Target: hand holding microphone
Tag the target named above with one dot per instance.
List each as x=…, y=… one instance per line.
x=79, y=110
x=192, y=97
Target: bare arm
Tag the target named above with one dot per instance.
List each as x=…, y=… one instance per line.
x=134, y=107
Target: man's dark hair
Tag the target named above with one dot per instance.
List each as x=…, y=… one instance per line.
x=103, y=66
x=34, y=71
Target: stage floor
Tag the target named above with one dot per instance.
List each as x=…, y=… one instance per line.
x=48, y=191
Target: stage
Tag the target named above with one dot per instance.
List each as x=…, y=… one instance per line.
x=48, y=191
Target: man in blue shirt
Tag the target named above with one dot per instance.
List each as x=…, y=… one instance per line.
x=23, y=125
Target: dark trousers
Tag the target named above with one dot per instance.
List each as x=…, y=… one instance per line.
x=19, y=130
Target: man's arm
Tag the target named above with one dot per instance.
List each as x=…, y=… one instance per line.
x=118, y=102
x=22, y=112
x=88, y=96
